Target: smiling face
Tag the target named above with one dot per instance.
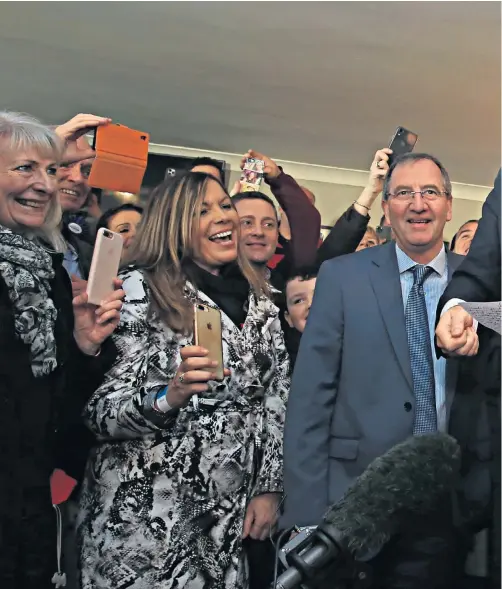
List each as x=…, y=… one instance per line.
x=418, y=223
x=216, y=236
x=73, y=182
x=259, y=229
x=299, y=295
x=464, y=238
x=28, y=185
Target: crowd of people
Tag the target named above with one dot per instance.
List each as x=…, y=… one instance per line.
x=330, y=354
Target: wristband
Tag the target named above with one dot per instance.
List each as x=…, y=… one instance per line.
x=361, y=205
x=161, y=403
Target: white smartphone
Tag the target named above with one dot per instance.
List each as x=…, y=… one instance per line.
x=104, y=266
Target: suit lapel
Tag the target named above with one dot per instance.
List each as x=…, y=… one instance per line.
x=454, y=261
x=452, y=364
x=384, y=275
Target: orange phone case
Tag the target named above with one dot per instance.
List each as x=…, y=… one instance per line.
x=207, y=333
x=121, y=158
x=104, y=266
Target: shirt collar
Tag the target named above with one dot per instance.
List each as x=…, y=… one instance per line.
x=70, y=253
x=405, y=263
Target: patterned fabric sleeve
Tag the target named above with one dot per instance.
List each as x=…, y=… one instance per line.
x=121, y=407
x=270, y=479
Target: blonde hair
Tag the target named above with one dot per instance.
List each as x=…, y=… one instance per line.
x=166, y=239
x=21, y=132
x=373, y=232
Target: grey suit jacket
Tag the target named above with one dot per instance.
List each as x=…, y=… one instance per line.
x=352, y=392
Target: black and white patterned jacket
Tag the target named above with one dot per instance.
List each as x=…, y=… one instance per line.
x=149, y=355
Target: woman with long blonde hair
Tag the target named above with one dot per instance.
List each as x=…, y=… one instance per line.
x=185, y=467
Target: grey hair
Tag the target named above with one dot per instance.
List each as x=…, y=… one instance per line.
x=21, y=132
x=416, y=157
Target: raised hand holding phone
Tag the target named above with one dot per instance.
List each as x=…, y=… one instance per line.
x=403, y=142
x=270, y=169
x=378, y=171
x=252, y=175
x=80, y=125
x=75, y=129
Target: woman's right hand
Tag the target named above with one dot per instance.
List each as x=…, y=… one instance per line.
x=71, y=132
x=194, y=372
x=378, y=171
x=79, y=125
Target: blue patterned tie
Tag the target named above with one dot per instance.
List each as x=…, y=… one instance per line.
x=419, y=343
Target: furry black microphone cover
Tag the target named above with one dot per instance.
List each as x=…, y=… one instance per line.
x=412, y=476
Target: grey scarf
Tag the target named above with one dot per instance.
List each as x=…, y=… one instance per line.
x=27, y=271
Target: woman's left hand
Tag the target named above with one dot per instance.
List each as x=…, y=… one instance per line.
x=261, y=516
x=93, y=325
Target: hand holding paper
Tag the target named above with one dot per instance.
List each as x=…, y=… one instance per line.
x=488, y=314
x=456, y=334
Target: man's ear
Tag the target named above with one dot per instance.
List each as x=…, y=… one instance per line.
x=385, y=209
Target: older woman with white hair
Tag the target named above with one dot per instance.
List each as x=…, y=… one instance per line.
x=53, y=352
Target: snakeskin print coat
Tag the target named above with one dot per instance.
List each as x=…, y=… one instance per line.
x=165, y=496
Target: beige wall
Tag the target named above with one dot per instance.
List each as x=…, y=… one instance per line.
x=337, y=188
x=333, y=199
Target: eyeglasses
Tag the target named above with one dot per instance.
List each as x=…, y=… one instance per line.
x=430, y=194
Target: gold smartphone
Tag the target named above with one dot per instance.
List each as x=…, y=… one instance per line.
x=207, y=333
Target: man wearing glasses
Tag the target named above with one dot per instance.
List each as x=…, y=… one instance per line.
x=367, y=376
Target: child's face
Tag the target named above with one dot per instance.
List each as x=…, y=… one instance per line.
x=299, y=294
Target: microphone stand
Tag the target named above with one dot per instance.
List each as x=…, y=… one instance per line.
x=327, y=564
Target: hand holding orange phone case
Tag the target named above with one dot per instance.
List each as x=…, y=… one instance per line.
x=207, y=333
x=121, y=158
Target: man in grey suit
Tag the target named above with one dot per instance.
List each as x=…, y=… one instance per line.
x=367, y=377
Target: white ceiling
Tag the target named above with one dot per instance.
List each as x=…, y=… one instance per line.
x=315, y=82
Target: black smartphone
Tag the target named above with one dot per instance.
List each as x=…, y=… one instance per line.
x=384, y=233
x=403, y=142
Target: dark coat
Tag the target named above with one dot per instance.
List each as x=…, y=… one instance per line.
x=475, y=419
x=83, y=248
x=38, y=432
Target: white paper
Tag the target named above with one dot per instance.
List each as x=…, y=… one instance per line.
x=488, y=314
